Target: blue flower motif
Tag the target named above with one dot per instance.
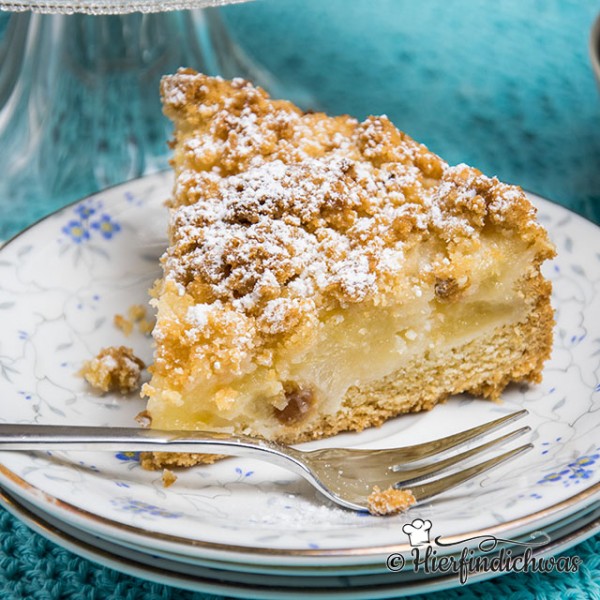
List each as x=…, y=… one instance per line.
x=556, y=476
x=584, y=461
x=128, y=456
x=85, y=211
x=581, y=474
x=133, y=199
x=241, y=472
x=106, y=226
x=574, y=472
x=90, y=467
x=77, y=231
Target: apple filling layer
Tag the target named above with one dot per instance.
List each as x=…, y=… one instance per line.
x=307, y=380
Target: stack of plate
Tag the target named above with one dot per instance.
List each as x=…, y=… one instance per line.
x=241, y=527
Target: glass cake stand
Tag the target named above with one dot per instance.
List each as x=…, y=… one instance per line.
x=79, y=103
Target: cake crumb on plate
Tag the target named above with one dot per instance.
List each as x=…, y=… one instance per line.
x=114, y=369
x=168, y=478
x=390, y=501
x=125, y=325
x=136, y=312
x=145, y=326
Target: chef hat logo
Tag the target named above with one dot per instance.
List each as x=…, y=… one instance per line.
x=417, y=532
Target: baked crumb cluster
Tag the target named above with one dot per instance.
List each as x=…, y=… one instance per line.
x=136, y=316
x=168, y=478
x=114, y=369
x=278, y=216
x=390, y=501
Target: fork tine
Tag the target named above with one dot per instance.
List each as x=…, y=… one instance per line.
x=428, y=490
x=417, y=474
x=407, y=454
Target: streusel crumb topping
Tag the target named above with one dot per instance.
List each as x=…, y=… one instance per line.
x=277, y=215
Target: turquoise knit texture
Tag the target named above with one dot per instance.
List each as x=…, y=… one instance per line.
x=505, y=86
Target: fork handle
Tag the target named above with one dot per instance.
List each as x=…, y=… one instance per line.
x=131, y=439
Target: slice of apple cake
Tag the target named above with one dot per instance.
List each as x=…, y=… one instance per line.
x=325, y=274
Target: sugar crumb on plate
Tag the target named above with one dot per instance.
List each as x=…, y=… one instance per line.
x=125, y=325
x=390, y=501
x=136, y=312
x=114, y=369
x=168, y=478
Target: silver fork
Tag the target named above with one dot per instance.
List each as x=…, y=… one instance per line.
x=345, y=475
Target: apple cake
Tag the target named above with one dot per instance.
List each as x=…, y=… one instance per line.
x=325, y=274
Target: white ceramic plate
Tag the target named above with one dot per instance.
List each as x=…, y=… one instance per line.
x=233, y=583
x=63, y=280
x=537, y=539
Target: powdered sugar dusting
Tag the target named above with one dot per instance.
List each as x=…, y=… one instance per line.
x=279, y=233
x=197, y=315
x=277, y=214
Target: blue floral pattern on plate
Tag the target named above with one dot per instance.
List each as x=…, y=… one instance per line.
x=143, y=508
x=106, y=226
x=575, y=471
x=77, y=231
x=128, y=456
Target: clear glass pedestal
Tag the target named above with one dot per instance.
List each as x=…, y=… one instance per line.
x=79, y=102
